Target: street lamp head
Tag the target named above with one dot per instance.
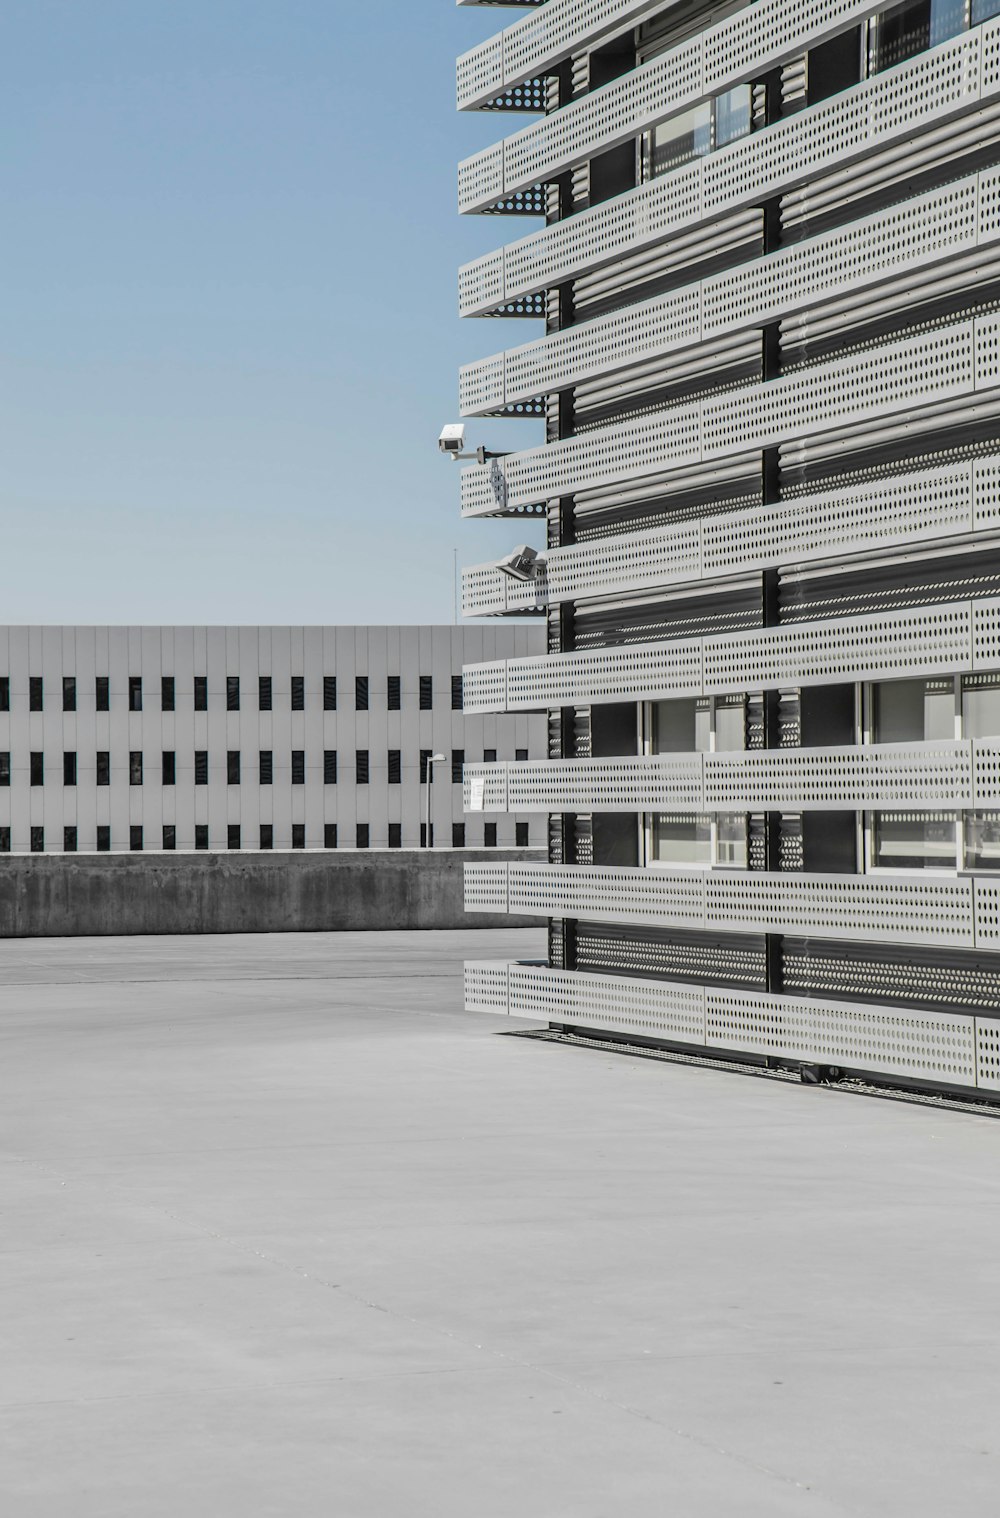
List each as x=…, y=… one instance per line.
x=437, y=758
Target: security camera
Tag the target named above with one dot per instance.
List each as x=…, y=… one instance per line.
x=452, y=439
x=523, y=564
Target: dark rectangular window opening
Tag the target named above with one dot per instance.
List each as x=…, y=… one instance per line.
x=457, y=694
x=232, y=693
x=5, y=767
x=329, y=835
x=329, y=766
x=4, y=693
x=233, y=836
x=426, y=692
x=521, y=835
x=169, y=766
x=201, y=693
x=298, y=693
x=135, y=839
x=457, y=766
x=361, y=766
x=329, y=693
x=426, y=768
x=201, y=835
x=135, y=693
x=38, y=840
x=35, y=699
x=103, y=767
x=298, y=835
x=267, y=835
x=361, y=693
x=264, y=693
x=489, y=835
x=520, y=754
x=69, y=693
x=135, y=767
x=4, y=840
x=394, y=693
x=458, y=835
x=395, y=767
x=104, y=839
x=298, y=766
x=266, y=766
x=69, y=768
x=167, y=693
x=423, y=836
x=364, y=833
x=233, y=766
x=489, y=756
x=395, y=835
x=102, y=693
x=201, y=768
x=169, y=835
x=37, y=767
x=69, y=840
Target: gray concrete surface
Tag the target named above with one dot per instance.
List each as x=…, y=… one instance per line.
x=287, y=1233
x=53, y=895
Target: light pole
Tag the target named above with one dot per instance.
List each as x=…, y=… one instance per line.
x=432, y=759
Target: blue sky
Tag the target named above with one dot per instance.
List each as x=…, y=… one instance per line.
x=229, y=332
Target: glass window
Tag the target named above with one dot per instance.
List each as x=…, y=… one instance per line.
x=4, y=693
x=201, y=695
x=69, y=769
x=266, y=766
x=298, y=693
x=682, y=138
x=681, y=727
x=35, y=693
x=102, y=693
x=730, y=726
x=5, y=767
x=329, y=766
x=982, y=840
x=201, y=835
x=912, y=711
x=489, y=757
x=233, y=836
x=232, y=693
x=38, y=840
x=426, y=692
x=169, y=835
x=135, y=838
x=395, y=835
x=395, y=767
x=201, y=768
x=681, y=839
x=329, y=835
x=731, y=840
x=4, y=840
x=267, y=835
x=69, y=840
x=520, y=754
x=103, y=767
x=167, y=693
x=69, y=693
x=329, y=693
x=457, y=696
x=103, y=839
x=135, y=767
x=135, y=693
x=37, y=768
x=458, y=835
x=489, y=835
x=361, y=693
x=982, y=10
x=914, y=840
x=298, y=835
x=981, y=706
x=169, y=767
x=264, y=693
x=361, y=766
x=521, y=835
x=233, y=766
x=363, y=834
x=298, y=766
x=458, y=765
x=394, y=694
x=732, y=114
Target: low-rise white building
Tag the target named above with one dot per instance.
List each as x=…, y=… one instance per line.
x=128, y=738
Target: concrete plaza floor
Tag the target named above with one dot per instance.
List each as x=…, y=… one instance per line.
x=286, y=1233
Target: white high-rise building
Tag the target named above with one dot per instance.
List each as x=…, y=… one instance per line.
x=127, y=738
x=761, y=336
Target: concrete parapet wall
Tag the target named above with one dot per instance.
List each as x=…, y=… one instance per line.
x=66, y=895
